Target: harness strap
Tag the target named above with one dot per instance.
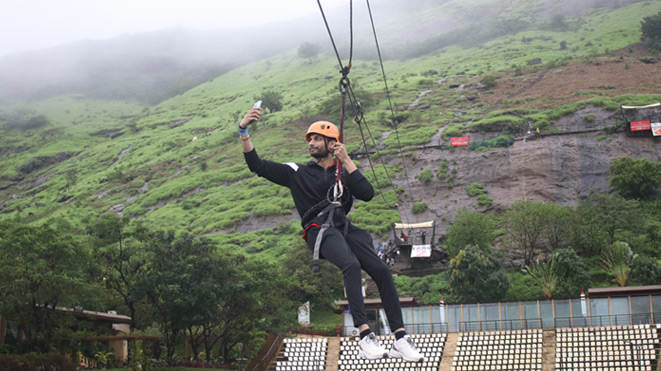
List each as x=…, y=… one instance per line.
x=329, y=222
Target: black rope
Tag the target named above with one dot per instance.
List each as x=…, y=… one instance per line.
x=356, y=105
x=392, y=110
x=344, y=70
x=360, y=118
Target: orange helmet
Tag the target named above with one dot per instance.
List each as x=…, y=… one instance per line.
x=324, y=128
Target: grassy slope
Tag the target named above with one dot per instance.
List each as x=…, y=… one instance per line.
x=167, y=162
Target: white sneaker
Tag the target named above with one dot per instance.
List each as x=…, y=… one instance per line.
x=405, y=349
x=370, y=348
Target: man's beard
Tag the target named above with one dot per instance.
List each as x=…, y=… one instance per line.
x=319, y=154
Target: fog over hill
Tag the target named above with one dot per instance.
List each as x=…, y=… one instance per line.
x=151, y=67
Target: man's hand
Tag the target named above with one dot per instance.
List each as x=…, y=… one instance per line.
x=340, y=152
x=251, y=116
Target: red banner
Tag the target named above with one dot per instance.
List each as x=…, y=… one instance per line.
x=459, y=141
x=640, y=125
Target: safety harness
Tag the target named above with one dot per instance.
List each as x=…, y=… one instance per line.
x=334, y=204
x=331, y=209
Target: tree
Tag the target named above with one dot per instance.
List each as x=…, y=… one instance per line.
x=271, y=99
x=651, y=31
x=617, y=259
x=612, y=213
x=635, y=178
x=71, y=176
x=258, y=302
x=561, y=274
x=586, y=236
x=547, y=276
x=646, y=271
x=183, y=283
x=121, y=261
x=41, y=269
x=558, y=223
x=524, y=223
x=469, y=229
x=217, y=297
x=576, y=275
x=477, y=276
x=306, y=285
x=308, y=50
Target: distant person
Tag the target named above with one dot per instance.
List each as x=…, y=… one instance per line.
x=539, y=133
x=423, y=237
x=403, y=238
x=330, y=233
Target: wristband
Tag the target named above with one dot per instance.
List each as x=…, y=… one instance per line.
x=243, y=131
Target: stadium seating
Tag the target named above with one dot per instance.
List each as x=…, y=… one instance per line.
x=499, y=350
x=430, y=345
x=625, y=348
x=303, y=354
x=609, y=348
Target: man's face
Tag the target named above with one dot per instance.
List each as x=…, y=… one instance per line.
x=317, y=146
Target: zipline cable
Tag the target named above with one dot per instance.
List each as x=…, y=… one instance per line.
x=392, y=110
x=360, y=118
x=346, y=90
x=343, y=70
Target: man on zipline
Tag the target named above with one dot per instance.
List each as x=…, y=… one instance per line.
x=345, y=245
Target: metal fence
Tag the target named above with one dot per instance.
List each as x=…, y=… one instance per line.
x=610, y=311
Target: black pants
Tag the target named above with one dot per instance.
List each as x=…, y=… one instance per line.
x=351, y=254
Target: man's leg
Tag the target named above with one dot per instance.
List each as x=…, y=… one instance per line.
x=361, y=244
x=334, y=248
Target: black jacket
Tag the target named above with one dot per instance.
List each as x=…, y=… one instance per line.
x=310, y=184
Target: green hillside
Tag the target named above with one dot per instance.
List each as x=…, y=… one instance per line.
x=150, y=210
x=178, y=165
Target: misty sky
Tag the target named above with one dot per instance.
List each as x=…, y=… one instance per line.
x=38, y=24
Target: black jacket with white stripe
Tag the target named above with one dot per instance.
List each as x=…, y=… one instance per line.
x=310, y=185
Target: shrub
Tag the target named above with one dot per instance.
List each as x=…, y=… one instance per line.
x=442, y=172
x=477, y=276
x=651, y=31
x=22, y=123
x=419, y=207
x=484, y=200
x=452, y=130
x=635, y=178
x=469, y=229
x=489, y=81
x=30, y=166
x=475, y=189
x=271, y=99
x=29, y=362
x=425, y=176
x=426, y=83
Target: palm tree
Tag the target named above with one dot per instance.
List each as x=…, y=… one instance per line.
x=547, y=274
x=617, y=259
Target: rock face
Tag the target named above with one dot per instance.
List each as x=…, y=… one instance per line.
x=558, y=167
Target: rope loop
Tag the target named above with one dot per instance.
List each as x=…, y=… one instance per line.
x=337, y=190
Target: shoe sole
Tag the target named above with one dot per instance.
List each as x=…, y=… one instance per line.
x=363, y=355
x=395, y=354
